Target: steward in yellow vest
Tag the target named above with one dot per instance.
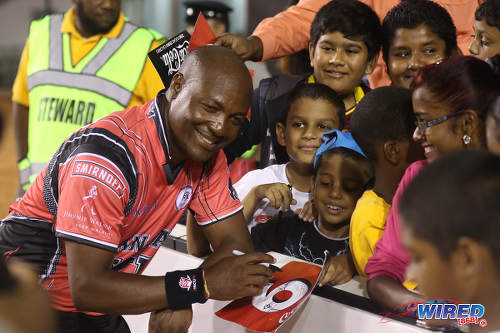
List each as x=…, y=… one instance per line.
x=69, y=77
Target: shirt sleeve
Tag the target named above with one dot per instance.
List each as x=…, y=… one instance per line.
x=20, y=93
x=215, y=198
x=367, y=226
x=149, y=83
x=92, y=198
x=288, y=31
x=390, y=257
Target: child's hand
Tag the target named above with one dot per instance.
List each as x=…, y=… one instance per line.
x=339, y=269
x=277, y=194
x=307, y=213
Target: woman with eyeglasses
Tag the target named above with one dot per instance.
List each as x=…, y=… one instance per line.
x=450, y=101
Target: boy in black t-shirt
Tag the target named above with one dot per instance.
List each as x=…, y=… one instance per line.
x=341, y=174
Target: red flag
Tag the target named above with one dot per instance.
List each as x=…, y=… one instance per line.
x=202, y=34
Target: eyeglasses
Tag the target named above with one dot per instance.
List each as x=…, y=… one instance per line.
x=422, y=125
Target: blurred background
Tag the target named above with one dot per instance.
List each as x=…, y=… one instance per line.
x=166, y=16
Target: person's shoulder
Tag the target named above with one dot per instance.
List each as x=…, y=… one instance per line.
x=279, y=85
x=370, y=199
x=269, y=174
x=415, y=168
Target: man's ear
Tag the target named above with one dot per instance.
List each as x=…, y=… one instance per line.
x=176, y=85
x=311, y=54
x=391, y=151
x=280, y=134
x=372, y=63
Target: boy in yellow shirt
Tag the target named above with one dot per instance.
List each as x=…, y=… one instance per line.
x=383, y=126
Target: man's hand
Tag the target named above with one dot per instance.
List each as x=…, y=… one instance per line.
x=250, y=48
x=276, y=193
x=308, y=213
x=238, y=276
x=339, y=269
x=171, y=321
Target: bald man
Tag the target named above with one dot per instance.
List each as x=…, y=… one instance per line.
x=114, y=190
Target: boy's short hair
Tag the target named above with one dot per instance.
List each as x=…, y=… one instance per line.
x=411, y=14
x=385, y=113
x=315, y=91
x=489, y=10
x=353, y=19
x=456, y=196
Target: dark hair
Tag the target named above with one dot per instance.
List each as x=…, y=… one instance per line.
x=315, y=91
x=356, y=157
x=385, y=113
x=410, y=15
x=461, y=82
x=353, y=19
x=489, y=10
x=456, y=196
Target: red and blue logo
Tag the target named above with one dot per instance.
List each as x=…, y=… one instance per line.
x=463, y=313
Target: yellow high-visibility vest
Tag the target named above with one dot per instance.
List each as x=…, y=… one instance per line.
x=64, y=97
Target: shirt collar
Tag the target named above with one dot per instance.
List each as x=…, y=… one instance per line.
x=157, y=114
x=68, y=26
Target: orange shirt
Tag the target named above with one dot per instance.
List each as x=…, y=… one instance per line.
x=146, y=89
x=288, y=31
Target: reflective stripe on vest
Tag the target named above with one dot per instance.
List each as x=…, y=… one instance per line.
x=63, y=96
x=92, y=83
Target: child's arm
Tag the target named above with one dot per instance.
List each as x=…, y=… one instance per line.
x=339, y=269
x=276, y=193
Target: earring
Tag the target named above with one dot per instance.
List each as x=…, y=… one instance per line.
x=466, y=139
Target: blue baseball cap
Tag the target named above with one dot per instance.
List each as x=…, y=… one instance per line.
x=335, y=138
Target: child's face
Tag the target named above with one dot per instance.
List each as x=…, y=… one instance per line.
x=340, y=63
x=410, y=50
x=338, y=184
x=428, y=268
x=486, y=42
x=304, y=128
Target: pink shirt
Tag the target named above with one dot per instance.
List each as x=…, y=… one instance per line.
x=390, y=257
x=288, y=31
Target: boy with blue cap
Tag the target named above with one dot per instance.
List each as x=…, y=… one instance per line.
x=341, y=174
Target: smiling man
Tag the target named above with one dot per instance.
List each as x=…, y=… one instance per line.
x=115, y=189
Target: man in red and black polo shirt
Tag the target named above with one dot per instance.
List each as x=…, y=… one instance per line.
x=114, y=190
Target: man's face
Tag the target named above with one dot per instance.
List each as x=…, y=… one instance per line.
x=411, y=50
x=206, y=112
x=339, y=62
x=97, y=16
x=486, y=42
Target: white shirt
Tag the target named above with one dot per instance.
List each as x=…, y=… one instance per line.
x=272, y=174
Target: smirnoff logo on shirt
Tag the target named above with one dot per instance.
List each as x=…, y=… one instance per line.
x=99, y=173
